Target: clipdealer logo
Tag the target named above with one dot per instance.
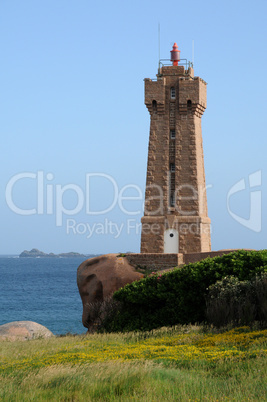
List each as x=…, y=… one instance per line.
x=254, y=220
x=50, y=201
x=50, y=197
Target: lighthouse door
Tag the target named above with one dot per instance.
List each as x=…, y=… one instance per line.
x=171, y=241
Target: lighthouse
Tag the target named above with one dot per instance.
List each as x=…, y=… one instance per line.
x=175, y=214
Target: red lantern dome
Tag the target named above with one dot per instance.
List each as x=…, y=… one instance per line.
x=175, y=55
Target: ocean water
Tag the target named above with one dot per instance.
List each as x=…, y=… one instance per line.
x=43, y=290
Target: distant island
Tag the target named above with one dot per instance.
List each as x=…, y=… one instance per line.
x=35, y=253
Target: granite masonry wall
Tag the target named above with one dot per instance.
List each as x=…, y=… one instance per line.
x=155, y=261
x=160, y=261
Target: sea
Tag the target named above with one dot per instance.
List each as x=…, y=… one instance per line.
x=42, y=290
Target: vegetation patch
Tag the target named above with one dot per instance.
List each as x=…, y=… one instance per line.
x=230, y=301
x=179, y=296
x=178, y=363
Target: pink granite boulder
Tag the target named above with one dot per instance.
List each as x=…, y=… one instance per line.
x=23, y=331
x=99, y=277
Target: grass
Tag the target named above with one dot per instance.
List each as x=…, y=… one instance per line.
x=174, y=364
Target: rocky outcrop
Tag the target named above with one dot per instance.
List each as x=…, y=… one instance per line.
x=100, y=277
x=23, y=330
x=35, y=253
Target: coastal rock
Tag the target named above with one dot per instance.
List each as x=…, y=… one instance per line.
x=35, y=253
x=23, y=331
x=100, y=277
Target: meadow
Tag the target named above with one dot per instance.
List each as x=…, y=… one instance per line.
x=182, y=363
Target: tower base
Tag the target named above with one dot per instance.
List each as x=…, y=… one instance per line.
x=175, y=234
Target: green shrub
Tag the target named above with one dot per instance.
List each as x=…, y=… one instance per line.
x=102, y=314
x=230, y=301
x=178, y=296
x=260, y=284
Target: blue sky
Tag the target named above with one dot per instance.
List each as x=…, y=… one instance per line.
x=72, y=104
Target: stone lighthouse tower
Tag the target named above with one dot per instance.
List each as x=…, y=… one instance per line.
x=176, y=216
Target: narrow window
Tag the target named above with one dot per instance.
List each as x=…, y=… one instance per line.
x=172, y=93
x=172, y=167
x=172, y=204
x=172, y=134
x=154, y=106
x=189, y=104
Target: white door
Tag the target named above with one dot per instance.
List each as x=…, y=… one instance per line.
x=171, y=241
